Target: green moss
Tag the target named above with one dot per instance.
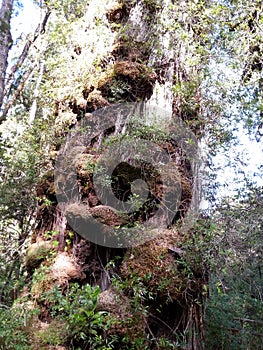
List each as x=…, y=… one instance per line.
x=37, y=252
x=42, y=281
x=159, y=268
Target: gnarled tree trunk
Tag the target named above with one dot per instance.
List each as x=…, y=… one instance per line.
x=143, y=64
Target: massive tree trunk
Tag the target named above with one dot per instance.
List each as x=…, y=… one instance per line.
x=158, y=293
x=5, y=41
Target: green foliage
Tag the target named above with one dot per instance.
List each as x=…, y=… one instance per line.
x=55, y=334
x=51, y=234
x=14, y=330
x=12, y=278
x=77, y=310
x=234, y=316
x=71, y=9
x=235, y=308
x=40, y=274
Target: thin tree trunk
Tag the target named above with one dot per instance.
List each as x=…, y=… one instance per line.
x=40, y=29
x=5, y=41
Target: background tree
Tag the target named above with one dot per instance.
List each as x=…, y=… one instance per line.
x=5, y=41
x=234, y=319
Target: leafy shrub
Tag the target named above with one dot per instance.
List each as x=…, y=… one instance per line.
x=14, y=330
x=77, y=310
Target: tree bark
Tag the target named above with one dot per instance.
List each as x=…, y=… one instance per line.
x=5, y=41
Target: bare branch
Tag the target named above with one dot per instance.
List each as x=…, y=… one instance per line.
x=39, y=30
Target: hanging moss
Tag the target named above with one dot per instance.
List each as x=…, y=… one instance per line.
x=155, y=265
x=128, y=81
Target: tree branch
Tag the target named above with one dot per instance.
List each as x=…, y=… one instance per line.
x=248, y=320
x=39, y=30
x=16, y=94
